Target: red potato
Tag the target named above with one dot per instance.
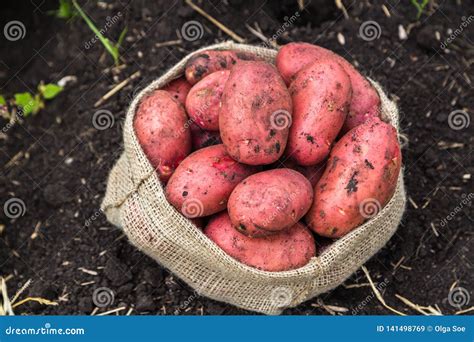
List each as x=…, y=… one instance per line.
x=287, y=250
x=255, y=113
x=179, y=89
x=203, y=182
x=321, y=95
x=202, y=138
x=161, y=127
x=207, y=62
x=269, y=202
x=360, y=178
x=365, y=103
x=312, y=173
x=204, y=99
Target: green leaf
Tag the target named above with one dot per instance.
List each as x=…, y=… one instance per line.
x=28, y=103
x=420, y=7
x=113, y=51
x=24, y=100
x=50, y=90
x=65, y=10
x=3, y=102
x=121, y=38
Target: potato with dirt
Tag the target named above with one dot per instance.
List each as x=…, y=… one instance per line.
x=179, y=89
x=204, y=99
x=285, y=251
x=269, y=202
x=360, y=178
x=365, y=102
x=160, y=124
x=206, y=62
x=321, y=95
x=203, y=182
x=255, y=113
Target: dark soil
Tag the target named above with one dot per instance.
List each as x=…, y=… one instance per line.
x=57, y=162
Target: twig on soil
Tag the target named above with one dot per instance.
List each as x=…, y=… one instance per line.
x=412, y=202
x=116, y=89
x=425, y=310
x=221, y=26
x=398, y=264
x=5, y=307
x=352, y=286
x=40, y=300
x=331, y=309
x=85, y=270
x=435, y=232
x=341, y=6
x=386, y=11
x=464, y=311
x=87, y=283
x=443, y=145
x=112, y=311
x=34, y=235
x=378, y=295
x=20, y=291
x=257, y=31
x=301, y=4
x=453, y=285
x=14, y=159
x=169, y=43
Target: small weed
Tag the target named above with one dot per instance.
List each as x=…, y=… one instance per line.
x=65, y=10
x=420, y=6
x=30, y=103
x=112, y=49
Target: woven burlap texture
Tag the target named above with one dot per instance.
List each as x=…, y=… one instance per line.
x=135, y=201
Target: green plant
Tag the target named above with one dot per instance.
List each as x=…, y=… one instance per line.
x=420, y=6
x=32, y=103
x=65, y=10
x=112, y=49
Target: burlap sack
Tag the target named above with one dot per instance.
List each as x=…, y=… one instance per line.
x=135, y=201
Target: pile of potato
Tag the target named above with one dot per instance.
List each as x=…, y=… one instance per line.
x=255, y=154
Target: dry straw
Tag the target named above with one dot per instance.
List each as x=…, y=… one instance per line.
x=135, y=201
